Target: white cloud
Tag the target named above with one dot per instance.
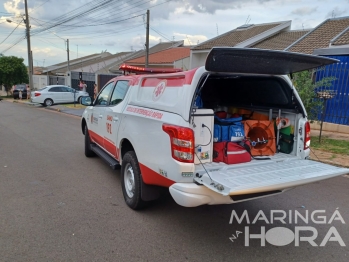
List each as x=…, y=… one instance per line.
x=304, y=11
x=190, y=39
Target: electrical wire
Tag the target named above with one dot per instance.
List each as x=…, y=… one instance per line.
x=11, y=33
x=160, y=34
x=63, y=19
x=203, y=125
x=38, y=6
x=14, y=44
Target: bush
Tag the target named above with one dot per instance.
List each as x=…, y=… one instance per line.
x=306, y=88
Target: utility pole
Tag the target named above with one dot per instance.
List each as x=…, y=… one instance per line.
x=68, y=53
x=147, y=42
x=30, y=63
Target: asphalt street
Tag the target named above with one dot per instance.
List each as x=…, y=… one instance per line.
x=58, y=205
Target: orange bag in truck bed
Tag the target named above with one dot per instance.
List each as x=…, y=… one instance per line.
x=261, y=134
x=248, y=114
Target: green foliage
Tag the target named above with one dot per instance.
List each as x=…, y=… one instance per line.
x=12, y=71
x=305, y=86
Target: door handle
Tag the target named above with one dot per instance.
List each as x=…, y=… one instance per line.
x=100, y=116
x=115, y=119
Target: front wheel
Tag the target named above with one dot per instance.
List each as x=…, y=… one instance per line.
x=131, y=181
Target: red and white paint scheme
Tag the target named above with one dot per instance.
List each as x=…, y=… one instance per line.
x=150, y=125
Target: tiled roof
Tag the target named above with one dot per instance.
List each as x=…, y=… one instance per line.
x=72, y=61
x=321, y=36
x=94, y=60
x=342, y=39
x=281, y=40
x=158, y=47
x=236, y=36
x=163, y=57
x=161, y=46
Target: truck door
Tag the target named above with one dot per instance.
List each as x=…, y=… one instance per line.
x=98, y=117
x=113, y=117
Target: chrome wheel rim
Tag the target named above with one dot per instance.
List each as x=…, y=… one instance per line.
x=49, y=103
x=129, y=180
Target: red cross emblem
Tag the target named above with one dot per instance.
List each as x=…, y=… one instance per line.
x=159, y=90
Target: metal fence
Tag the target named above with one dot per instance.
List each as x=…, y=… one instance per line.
x=57, y=80
x=104, y=78
x=89, y=79
x=336, y=108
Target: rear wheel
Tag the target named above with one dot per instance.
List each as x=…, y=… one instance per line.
x=48, y=102
x=88, y=150
x=131, y=181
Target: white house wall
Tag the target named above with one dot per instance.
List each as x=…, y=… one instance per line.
x=198, y=59
x=183, y=63
x=40, y=81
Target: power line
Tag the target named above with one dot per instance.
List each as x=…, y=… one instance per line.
x=15, y=43
x=40, y=5
x=161, y=34
x=10, y=33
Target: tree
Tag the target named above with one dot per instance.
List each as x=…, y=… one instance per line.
x=306, y=88
x=12, y=71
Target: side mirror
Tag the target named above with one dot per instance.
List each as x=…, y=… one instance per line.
x=86, y=101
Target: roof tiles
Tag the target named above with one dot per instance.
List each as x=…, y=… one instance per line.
x=321, y=36
x=281, y=40
x=236, y=36
x=343, y=39
x=163, y=57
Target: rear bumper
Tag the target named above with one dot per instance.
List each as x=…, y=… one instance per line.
x=192, y=195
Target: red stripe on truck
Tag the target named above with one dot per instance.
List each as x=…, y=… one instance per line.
x=171, y=82
x=106, y=143
x=151, y=177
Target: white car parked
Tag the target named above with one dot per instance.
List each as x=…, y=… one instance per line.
x=55, y=94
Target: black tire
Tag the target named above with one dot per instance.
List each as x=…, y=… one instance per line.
x=48, y=102
x=79, y=100
x=134, y=200
x=88, y=150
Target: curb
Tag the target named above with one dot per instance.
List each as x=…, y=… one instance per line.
x=53, y=109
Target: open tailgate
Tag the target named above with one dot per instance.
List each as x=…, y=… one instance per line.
x=261, y=61
x=267, y=176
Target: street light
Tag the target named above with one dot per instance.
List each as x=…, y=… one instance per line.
x=30, y=63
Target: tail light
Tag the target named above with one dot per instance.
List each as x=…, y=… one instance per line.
x=182, y=142
x=306, y=135
x=37, y=94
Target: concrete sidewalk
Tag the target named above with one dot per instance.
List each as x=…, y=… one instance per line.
x=59, y=108
x=66, y=110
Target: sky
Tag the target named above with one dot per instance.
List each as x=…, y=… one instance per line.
x=119, y=25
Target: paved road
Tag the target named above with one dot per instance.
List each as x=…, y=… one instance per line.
x=57, y=205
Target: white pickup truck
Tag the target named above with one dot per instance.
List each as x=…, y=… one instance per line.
x=151, y=126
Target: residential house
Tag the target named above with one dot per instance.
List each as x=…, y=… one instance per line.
x=175, y=57
x=330, y=39
x=114, y=68
x=247, y=35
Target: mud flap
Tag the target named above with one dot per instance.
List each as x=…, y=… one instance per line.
x=150, y=192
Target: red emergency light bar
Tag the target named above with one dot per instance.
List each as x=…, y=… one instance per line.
x=142, y=70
